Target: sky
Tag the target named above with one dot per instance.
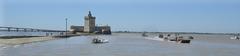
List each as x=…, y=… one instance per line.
x=221, y=16
x=1, y=12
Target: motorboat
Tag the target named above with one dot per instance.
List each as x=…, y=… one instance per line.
x=160, y=37
x=190, y=37
x=144, y=35
x=157, y=38
x=99, y=40
x=235, y=38
x=181, y=39
x=184, y=41
x=178, y=39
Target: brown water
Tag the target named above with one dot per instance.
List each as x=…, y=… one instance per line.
x=127, y=44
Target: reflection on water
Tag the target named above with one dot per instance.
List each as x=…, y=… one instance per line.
x=121, y=44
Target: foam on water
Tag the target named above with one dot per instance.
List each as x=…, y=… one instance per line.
x=3, y=46
x=154, y=38
x=15, y=46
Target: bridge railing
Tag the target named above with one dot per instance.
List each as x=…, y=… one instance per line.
x=16, y=29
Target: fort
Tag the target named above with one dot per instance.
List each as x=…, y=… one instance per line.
x=90, y=26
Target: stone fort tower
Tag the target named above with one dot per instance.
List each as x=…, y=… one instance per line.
x=89, y=23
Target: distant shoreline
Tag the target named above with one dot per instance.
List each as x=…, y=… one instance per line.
x=178, y=33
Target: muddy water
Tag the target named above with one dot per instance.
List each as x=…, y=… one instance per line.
x=126, y=44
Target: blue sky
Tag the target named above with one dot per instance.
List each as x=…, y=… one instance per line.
x=1, y=12
x=131, y=15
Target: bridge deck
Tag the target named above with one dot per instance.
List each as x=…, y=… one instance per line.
x=16, y=29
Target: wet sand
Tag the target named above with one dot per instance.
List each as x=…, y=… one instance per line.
x=15, y=41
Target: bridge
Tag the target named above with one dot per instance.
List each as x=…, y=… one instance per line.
x=52, y=33
x=16, y=29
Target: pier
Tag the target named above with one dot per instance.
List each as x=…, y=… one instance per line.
x=47, y=33
x=16, y=29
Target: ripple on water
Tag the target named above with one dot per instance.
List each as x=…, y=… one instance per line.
x=3, y=46
x=15, y=46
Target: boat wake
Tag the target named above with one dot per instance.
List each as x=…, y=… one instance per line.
x=155, y=38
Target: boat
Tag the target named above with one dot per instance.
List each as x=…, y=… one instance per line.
x=178, y=39
x=235, y=38
x=181, y=39
x=160, y=37
x=99, y=40
x=157, y=38
x=144, y=34
x=184, y=41
x=190, y=37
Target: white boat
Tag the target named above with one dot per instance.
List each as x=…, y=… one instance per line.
x=170, y=39
x=235, y=38
x=99, y=40
x=157, y=38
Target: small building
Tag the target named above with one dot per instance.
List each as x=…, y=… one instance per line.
x=89, y=26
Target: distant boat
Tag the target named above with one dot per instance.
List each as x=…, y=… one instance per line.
x=235, y=38
x=190, y=37
x=178, y=39
x=144, y=34
x=99, y=40
x=156, y=38
x=181, y=39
